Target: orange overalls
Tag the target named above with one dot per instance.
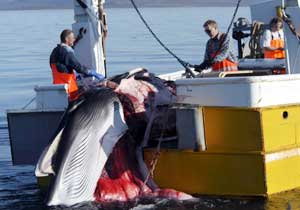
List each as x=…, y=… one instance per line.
x=65, y=78
x=276, y=54
x=226, y=64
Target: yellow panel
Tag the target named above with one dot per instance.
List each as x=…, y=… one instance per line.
x=214, y=174
x=232, y=129
x=279, y=127
x=298, y=133
x=234, y=163
x=283, y=174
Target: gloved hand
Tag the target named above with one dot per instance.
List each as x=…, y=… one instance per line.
x=203, y=65
x=190, y=66
x=78, y=77
x=98, y=76
x=82, y=31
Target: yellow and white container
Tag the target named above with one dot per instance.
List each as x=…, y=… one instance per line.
x=252, y=144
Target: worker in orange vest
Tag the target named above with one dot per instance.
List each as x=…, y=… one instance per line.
x=273, y=40
x=63, y=63
x=218, y=54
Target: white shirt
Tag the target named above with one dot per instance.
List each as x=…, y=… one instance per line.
x=269, y=36
x=68, y=48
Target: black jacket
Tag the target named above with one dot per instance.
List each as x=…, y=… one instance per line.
x=64, y=58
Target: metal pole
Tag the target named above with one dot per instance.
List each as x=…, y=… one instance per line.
x=103, y=30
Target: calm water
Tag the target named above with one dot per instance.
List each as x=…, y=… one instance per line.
x=26, y=40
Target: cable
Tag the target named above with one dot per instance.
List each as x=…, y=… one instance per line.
x=234, y=15
x=186, y=65
x=30, y=102
x=230, y=25
x=290, y=24
x=287, y=19
x=183, y=63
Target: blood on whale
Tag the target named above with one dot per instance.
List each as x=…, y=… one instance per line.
x=121, y=179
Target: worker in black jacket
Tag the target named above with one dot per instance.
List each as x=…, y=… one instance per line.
x=63, y=64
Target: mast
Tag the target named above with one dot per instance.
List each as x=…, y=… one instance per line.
x=102, y=18
x=89, y=19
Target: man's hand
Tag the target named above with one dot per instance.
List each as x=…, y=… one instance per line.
x=82, y=31
x=98, y=76
x=202, y=66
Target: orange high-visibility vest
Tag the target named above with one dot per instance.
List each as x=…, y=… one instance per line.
x=226, y=64
x=65, y=78
x=275, y=54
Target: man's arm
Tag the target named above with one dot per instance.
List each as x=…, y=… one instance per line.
x=72, y=62
x=223, y=53
x=206, y=62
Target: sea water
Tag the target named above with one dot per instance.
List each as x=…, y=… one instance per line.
x=26, y=41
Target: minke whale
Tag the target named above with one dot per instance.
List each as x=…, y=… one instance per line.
x=96, y=154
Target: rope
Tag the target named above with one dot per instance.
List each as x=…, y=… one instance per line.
x=230, y=25
x=28, y=103
x=183, y=63
x=234, y=16
x=254, y=43
x=292, y=28
x=157, y=152
x=291, y=25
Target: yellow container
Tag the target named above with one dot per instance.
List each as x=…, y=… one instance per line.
x=250, y=152
x=282, y=170
x=235, y=130
x=244, y=130
x=281, y=128
x=210, y=174
x=247, y=174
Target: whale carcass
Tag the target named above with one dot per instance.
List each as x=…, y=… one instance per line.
x=97, y=152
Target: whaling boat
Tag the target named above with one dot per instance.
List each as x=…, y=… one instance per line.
x=237, y=133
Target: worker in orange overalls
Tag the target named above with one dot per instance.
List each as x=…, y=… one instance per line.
x=63, y=63
x=219, y=53
x=273, y=40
